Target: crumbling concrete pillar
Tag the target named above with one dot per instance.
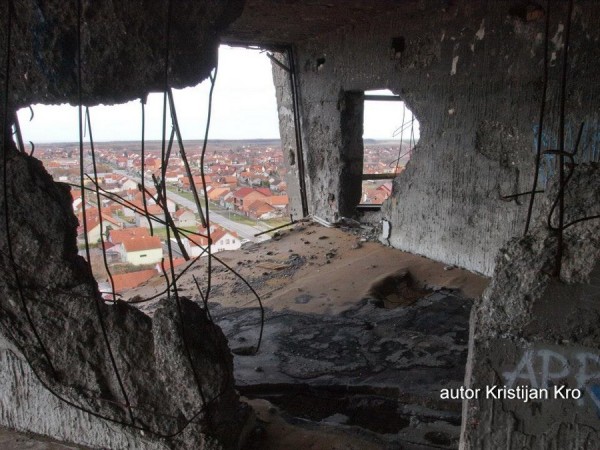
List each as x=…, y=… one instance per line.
x=72, y=366
x=533, y=335
x=171, y=383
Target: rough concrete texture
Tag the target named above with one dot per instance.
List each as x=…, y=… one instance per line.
x=369, y=367
x=531, y=329
x=285, y=111
x=123, y=48
x=52, y=313
x=471, y=72
x=14, y=440
x=51, y=309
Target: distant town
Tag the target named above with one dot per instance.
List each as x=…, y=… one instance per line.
x=243, y=180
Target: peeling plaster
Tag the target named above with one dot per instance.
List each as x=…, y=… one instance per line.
x=454, y=63
x=481, y=32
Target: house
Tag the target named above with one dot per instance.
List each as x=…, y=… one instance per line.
x=225, y=240
x=184, y=182
x=142, y=250
x=112, y=252
x=227, y=201
x=121, y=162
x=278, y=201
x=125, y=281
x=94, y=227
x=243, y=197
x=76, y=196
x=173, y=176
x=129, y=184
x=216, y=194
x=118, y=236
x=167, y=264
x=183, y=217
x=138, y=199
x=222, y=239
x=152, y=163
x=156, y=216
x=374, y=196
x=230, y=180
x=261, y=210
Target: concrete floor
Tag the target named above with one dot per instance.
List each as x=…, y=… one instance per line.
x=336, y=369
x=13, y=440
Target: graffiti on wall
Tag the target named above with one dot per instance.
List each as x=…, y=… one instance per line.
x=544, y=368
x=588, y=151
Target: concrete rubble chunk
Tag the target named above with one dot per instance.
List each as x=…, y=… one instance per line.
x=50, y=322
x=537, y=332
x=123, y=48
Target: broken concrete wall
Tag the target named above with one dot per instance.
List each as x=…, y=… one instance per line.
x=471, y=72
x=123, y=48
x=52, y=313
x=535, y=331
x=76, y=368
x=287, y=132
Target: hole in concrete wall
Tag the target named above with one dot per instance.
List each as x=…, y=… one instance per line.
x=390, y=133
x=320, y=63
x=243, y=166
x=398, y=46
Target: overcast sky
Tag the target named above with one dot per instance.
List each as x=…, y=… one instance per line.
x=244, y=107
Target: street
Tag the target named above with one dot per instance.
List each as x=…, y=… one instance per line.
x=243, y=231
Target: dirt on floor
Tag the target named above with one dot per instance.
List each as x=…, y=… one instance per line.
x=311, y=269
x=276, y=433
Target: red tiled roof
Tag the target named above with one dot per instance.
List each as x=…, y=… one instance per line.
x=123, y=281
x=265, y=191
x=155, y=210
x=277, y=200
x=259, y=207
x=217, y=193
x=138, y=244
x=216, y=235
x=167, y=264
x=242, y=192
x=118, y=236
x=181, y=211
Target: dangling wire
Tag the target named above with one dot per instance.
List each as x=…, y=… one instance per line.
x=538, y=154
x=99, y=203
x=7, y=225
x=85, y=229
x=401, y=139
x=182, y=152
x=163, y=187
x=143, y=187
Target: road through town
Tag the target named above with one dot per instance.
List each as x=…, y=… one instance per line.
x=244, y=231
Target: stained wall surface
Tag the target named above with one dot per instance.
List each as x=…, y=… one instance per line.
x=472, y=74
x=536, y=332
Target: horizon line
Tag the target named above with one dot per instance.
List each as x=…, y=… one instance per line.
x=197, y=140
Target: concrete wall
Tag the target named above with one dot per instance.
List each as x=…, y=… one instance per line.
x=535, y=331
x=555, y=348
x=471, y=72
x=33, y=407
x=285, y=109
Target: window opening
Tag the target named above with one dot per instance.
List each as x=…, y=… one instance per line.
x=390, y=133
x=244, y=159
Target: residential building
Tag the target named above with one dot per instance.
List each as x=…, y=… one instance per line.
x=142, y=250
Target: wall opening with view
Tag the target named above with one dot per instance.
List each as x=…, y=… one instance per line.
x=243, y=165
x=390, y=134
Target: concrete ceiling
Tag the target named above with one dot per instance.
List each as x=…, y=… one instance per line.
x=273, y=22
